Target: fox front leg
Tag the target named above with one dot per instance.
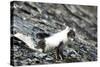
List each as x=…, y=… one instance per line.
x=59, y=51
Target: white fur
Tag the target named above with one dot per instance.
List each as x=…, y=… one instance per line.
x=28, y=40
x=54, y=40
x=51, y=42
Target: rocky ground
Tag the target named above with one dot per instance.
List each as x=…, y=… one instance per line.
x=30, y=18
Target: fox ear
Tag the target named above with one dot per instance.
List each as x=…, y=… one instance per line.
x=67, y=27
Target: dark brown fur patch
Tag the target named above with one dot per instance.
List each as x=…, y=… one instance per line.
x=42, y=35
x=71, y=34
x=41, y=44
